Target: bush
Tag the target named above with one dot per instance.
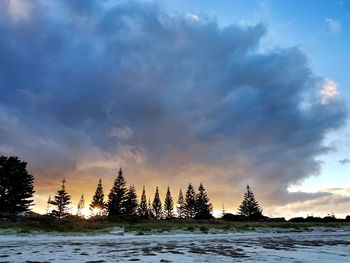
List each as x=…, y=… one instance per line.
x=233, y=218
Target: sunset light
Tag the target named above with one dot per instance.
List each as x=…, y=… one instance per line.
x=174, y=118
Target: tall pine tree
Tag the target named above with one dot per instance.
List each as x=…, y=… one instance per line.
x=180, y=209
x=168, y=205
x=98, y=205
x=61, y=201
x=157, y=205
x=249, y=206
x=48, y=205
x=150, y=209
x=190, y=202
x=130, y=203
x=81, y=206
x=143, y=209
x=116, y=197
x=203, y=206
x=16, y=186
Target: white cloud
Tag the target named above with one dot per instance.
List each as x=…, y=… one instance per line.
x=193, y=17
x=329, y=91
x=123, y=134
x=333, y=25
x=19, y=10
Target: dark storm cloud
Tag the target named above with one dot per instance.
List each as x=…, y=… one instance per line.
x=76, y=77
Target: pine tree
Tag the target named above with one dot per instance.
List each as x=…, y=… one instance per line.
x=249, y=206
x=48, y=205
x=203, y=206
x=81, y=206
x=168, y=205
x=150, y=209
x=130, y=203
x=98, y=205
x=143, y=209
x=16, y=186
x=61, y=201
x=157, y=205
x=116, y=197
x=181, y=205
x=190, y=202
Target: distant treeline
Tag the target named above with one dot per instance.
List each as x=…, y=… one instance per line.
x=124, y=201
x=17, y=189
x=312, y=219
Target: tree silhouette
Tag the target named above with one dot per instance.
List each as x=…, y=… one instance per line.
x=190, y=202
x=150, y=209
x=168, y=205
x=143, y=209
x=180, y=205
x=157, y=205
x=249, y=206
x=98, y=205
x=203, y=206
x=116, y=197
x=81, y=206
x=130, y=203
x=61, y=201
x=16, y=186
x=48, y=205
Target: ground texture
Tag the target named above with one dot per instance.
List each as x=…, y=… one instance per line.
x=267, y=246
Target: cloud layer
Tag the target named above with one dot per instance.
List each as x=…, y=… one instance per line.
x=87, y=87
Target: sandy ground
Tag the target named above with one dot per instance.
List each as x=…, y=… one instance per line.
x=315, y=246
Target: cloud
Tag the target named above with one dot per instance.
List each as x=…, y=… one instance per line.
x=333, y=25
x=18, y=10
x=193, y=17
x=123, y=133
x=344, y=161
x=329, y=91
x=321, y=206
x=85, y=86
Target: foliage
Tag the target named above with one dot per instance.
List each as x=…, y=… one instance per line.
x=180, y=209
x=157, y=205
x=203, y=206
x=168, y=205
x=141, y=225
x=16, y=186
x=143, y=209
x=117, y=196
x=190, y=202
x=131, y=204
x=81, y=205
x=150, y=210
x=61, y=201
x=249, y=206
x=98, y=205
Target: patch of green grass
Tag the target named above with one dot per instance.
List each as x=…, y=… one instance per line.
x=142, y=226
x=204, y=229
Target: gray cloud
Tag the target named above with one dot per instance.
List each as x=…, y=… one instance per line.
x=344, y=161
x=200, y=102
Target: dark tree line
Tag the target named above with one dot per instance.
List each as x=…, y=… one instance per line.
x=124, y=201
x=16, y=192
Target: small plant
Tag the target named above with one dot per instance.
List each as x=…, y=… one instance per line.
x=204, y=229
x=190, y=228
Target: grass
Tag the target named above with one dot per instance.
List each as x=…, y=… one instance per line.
x=141, y=226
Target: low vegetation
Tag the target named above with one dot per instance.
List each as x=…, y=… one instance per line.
x=142, y=226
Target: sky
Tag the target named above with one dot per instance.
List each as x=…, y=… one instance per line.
x=227, y=93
